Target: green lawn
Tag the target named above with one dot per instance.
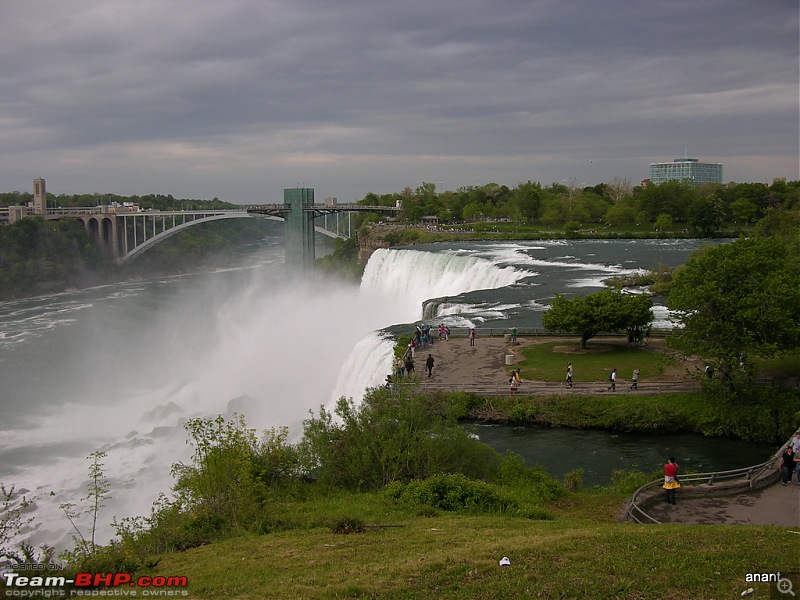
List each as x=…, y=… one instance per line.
x=548, y=362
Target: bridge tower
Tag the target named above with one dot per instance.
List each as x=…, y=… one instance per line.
x=39, y=197
x=299, y=227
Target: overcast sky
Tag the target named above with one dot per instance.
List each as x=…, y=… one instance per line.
x=239, y=99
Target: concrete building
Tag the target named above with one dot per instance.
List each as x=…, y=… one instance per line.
x=686, y=169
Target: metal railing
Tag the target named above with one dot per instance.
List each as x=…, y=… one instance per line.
x=737, y=480
x=545, y=388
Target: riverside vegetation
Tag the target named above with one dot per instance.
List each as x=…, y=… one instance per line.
x=392, y=498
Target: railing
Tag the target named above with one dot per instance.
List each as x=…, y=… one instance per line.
x=748, y=478
x=460, y=332
x=545, y=388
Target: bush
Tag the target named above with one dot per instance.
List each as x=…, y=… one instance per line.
x=573, y=480
x=391, y=436
x=627, y=481
x=452, y=493
x=346, y=525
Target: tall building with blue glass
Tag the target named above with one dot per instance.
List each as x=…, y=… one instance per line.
x=686, y=169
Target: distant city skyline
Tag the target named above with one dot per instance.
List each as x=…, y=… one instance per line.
x=243, y=98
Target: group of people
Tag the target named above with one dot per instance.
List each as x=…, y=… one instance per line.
x=790, y=461
x=612, y=378
x=423, y=336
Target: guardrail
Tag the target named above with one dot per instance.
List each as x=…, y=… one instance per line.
x=544, y=388
x=747, y=478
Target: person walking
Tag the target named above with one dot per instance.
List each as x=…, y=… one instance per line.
x=515, y=380
x=429, y=364
x=569, y=375
x=635, y=380
x=612, y=378
x=472, y=336
x=787, y=465
x=671, y=482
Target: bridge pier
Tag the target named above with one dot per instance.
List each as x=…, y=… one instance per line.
x=103, y=231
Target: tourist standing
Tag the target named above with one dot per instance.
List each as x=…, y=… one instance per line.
x=569, y=375
x=409, y=366
x=429, y=364
x=514, y=334
x=787, y=465
x=671, y=482
x=795, y=443
x=472, y=336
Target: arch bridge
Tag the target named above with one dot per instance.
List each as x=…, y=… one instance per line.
x=125, y=234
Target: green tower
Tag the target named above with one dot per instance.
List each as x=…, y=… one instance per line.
x=299, y=228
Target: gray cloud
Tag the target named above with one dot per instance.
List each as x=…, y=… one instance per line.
x=239, y=99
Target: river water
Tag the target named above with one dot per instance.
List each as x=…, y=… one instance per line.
x=120, y=368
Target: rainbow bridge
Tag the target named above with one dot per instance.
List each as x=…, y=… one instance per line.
x=124, y=234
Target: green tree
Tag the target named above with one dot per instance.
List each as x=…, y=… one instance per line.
x=98, y=492
x=525, y=199
x=607, y=311
x=743, y=210
x=663, y=222
x=737, y=297
x=706, y=216
x=391, y=436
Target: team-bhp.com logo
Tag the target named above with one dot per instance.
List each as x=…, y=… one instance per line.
x=93, y=584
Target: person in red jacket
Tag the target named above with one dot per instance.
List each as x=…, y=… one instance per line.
x=671, y=479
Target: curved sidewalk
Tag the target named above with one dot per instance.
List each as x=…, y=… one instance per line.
x=772, y=505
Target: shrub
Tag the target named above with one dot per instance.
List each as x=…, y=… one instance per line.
x=573, y=480
x=347, y=525
x=537, y=483
x=627, y=481
x=452, y=493
x=391, y=436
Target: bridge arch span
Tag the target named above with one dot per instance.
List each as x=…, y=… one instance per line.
x=160, y=237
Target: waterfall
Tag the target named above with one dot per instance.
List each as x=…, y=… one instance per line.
x=414, y=276
x=401, y=282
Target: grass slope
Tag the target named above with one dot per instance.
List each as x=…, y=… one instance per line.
x=582, y=553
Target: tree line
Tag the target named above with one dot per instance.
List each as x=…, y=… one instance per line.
x=146, y=201
x=704, y=209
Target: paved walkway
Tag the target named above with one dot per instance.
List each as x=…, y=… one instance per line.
x=482, y=369
x=774, y=505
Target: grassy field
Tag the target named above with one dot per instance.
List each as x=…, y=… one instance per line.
x=548, y=362
x=582, y=552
